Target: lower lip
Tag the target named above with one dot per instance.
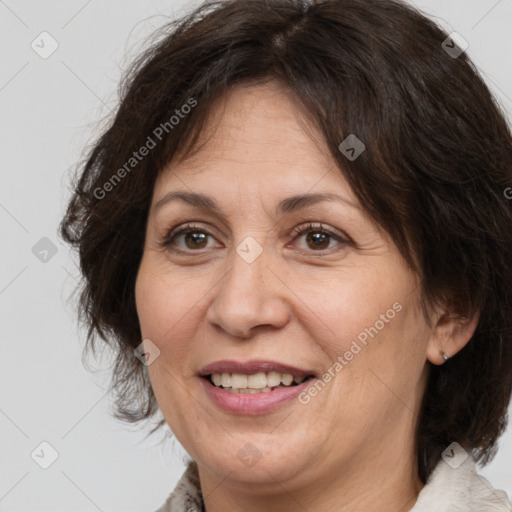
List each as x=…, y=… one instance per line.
x=252, y=403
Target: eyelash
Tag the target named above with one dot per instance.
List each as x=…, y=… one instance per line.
x=298, y=231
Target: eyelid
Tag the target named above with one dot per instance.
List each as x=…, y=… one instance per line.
x=183, y=229
x=167, y=240
x=318, y=226
x=339, y=236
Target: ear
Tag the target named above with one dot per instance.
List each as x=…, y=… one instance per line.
x=450, y=333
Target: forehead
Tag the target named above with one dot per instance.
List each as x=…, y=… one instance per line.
x=256, y=135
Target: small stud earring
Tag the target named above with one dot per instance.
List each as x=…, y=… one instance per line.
x=445, y=357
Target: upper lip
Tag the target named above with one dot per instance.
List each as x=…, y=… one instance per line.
x=251, y=367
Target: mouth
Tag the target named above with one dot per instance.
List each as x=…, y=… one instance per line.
x=255, y=383
x=241, y=399
x=256, y=376
x=253, y=387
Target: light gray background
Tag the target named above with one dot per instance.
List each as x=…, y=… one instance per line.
x=50, y=108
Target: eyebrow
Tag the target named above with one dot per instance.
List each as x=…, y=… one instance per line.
x=288, y=205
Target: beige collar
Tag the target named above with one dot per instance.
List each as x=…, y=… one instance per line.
x=447, y=490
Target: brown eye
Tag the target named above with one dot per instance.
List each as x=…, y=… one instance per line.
x=188, y=238
x=318, y=237
x=196, y=239
x=318, y=240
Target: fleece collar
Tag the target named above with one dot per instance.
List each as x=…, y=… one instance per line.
x=449, y=489
x=460, y=489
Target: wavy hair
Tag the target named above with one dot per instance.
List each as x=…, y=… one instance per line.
x=438, y=159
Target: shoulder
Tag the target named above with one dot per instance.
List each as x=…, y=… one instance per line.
x=459, y=488
x=186, y=496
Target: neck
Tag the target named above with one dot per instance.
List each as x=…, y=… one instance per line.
x=370, y=486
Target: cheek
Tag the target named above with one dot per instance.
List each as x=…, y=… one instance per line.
x=149, y=302
x=354, y=305
x=163, y=301
x=169, y=312
x=369, y=327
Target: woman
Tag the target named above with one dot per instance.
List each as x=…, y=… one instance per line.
x=295, y=236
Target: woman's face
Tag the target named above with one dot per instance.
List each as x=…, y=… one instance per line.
x=245, y=286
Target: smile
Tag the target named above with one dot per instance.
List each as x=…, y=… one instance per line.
x=250, y=401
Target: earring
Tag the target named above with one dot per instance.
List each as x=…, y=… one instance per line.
x=445, y=357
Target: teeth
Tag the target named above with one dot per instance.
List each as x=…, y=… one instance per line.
x=245, y=391
x=273, y=379
x=257, y=382
x=238, y=380
x=286, y=379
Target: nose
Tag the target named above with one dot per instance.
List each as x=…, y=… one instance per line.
x=249, y=296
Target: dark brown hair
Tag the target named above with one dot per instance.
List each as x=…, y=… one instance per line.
x=438, y=158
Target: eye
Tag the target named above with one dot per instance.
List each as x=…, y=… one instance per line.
x=318, y=237
x=194, y=237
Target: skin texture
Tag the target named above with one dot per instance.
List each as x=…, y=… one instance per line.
x=351, y=448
